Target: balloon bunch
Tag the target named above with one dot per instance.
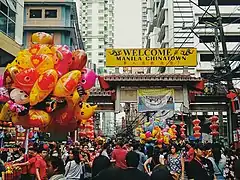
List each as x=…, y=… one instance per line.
x=156, y=131
x=47, y=86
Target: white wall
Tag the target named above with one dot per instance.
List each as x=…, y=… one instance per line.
x=19, y=22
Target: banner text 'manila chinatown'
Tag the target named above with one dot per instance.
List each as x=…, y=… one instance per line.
x=169, y=57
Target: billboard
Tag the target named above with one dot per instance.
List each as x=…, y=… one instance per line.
x=153, y=57
x=155, y=99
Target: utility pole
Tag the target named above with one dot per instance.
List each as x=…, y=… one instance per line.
x=232, y=122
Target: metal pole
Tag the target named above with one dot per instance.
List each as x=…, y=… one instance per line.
x=232, y=117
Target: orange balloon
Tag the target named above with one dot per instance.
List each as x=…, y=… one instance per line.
x=42, y=38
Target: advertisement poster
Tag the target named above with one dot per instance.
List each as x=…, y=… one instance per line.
x=155, y=100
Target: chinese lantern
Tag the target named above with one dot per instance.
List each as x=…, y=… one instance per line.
x=196, y=128
x=232, y=96
x=214, y=126
x=174, y=135
x=182, y=130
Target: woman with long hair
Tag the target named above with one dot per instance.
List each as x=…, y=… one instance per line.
x=74, y=168
x=175, y=162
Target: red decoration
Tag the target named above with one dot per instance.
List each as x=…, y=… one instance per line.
x=214, y=126
x=196, y=128
x=232, y=96
x=182, y=130
x=174, y=136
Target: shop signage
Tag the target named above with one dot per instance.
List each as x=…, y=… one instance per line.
x=153, y=57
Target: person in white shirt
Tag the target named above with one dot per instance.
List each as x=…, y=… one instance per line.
x=74, y=168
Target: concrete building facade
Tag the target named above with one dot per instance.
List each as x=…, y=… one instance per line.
x=56, y=17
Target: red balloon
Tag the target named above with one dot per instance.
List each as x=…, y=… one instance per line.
x=79, y=60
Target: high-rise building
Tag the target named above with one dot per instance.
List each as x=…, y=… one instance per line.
x=56, y=17
x=169, y=23
x=11, y=29
x=98, y=31
x=144, y=20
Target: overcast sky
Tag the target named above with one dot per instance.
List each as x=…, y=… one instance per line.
x=128, y=27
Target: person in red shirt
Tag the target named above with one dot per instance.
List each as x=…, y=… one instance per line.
x=41, y=165
x=119, y=155
x=32, y=152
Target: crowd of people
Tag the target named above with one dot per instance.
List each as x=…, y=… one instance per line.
x=125, y=160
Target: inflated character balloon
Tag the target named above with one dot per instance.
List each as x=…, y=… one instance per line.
x=9, y=76
x=80, y=95
x=43, y=86
x=79, y=60
x=88, y=78
x=51, y=103
x=4, y=95
x=25, y=79
x=67, y=84
x=84, y=111
x=42, y=62
x=35, y=118
x=42, y=38
x=65, y=60
x=19, y=96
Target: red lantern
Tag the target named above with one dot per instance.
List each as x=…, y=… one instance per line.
x=5, y=123
x=214, y=126
x=182, y=130
x=196, y=128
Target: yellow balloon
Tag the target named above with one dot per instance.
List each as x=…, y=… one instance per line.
x=76, y=98
x=43, y=86
x=84, y=111
x=42, y=63
x=23, y=60
x=142, y=136
x=5, y=114
x=67, y=84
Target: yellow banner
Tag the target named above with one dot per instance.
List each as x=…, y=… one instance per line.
x=154, y=57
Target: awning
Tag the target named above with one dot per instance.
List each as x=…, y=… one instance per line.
x=11, y=5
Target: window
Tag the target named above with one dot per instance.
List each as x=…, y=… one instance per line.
x=3, y=22
x=100, y=18
x=100, y=46
x=100, y=32
x=35, y=13
x=12, y=15
x=100, y=53
x=51, y=13
x=100, y=11
x=89, y=46
x=100, y=61
x=3, y=8
x=89, y=32
x=11, y=29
